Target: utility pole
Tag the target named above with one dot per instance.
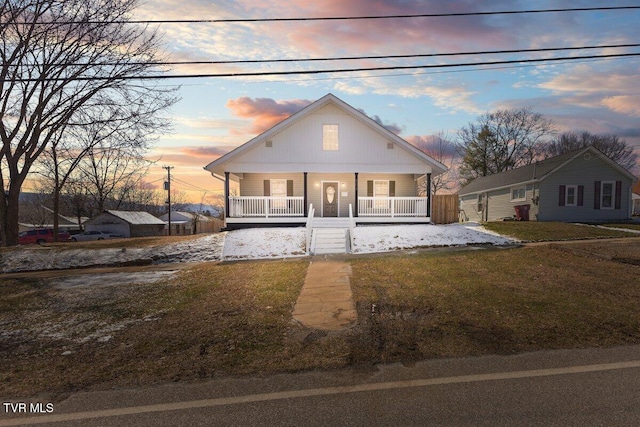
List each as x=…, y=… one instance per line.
x=167, y=186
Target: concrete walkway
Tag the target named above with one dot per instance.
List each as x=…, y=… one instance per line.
x=326, y=301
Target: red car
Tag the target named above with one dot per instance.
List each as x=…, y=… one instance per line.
x=41, y=236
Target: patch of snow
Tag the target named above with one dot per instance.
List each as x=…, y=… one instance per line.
x=111, y=279
x=261, y=243
x=254, y=243
x=368, y=239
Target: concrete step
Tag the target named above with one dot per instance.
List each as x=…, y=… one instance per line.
x=329, y=241
x=330, y=223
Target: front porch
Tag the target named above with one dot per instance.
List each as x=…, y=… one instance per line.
x=291, y=210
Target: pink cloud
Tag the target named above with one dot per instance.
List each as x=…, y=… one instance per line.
x=376, y=36
x=624, y=104
x=264, y=113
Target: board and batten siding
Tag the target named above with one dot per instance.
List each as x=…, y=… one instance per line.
x=583, y=171
x=361, y=148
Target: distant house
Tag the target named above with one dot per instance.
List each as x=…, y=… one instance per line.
x=333, y=157
x=584, y=185
x=127, y=223
x=191, y=223
x=44, y=219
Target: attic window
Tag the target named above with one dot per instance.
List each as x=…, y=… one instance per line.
x=330, y=140
x=269, y=144
x=390, y=145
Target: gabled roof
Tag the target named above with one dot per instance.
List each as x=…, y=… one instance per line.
x=534, y=172
x=135, y=217
x=436, y=166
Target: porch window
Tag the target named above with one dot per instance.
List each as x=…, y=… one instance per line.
x=330, y=141
x=278, y=188
x=381, y=189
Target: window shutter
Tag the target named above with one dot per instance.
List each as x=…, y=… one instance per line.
x=267, y=187
x=596, y=195
x=561, y=195
x=392, y=189
x=580, y=195
x=289, y=187
x=618, y=194
x=369, y=188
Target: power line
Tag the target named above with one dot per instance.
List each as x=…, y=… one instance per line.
x=332, y=71
x=350, y=18
x=353, y=58
x=193, y=187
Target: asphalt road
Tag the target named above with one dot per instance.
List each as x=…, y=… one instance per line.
x=551, y=388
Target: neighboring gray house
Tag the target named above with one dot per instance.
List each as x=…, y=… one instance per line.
x=330, y=156
x=127, y=223
x=584, y=185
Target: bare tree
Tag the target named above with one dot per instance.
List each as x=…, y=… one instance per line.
x=59, y=60
x=112, y=173
x=501, y=141
x=110, y=127
x=441, y=148
x=610, y=145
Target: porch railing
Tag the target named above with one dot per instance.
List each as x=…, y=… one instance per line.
x=265, y=207
x=392, y=206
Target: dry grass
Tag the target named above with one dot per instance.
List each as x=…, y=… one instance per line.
x=493, y=302
x=533, y=231
x=235, y=319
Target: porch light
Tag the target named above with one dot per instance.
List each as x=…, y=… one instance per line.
x=316, y=184
x=343, y=184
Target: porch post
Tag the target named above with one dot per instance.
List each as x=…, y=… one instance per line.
x=356, y=208
x=429, y=195
x=227, y=207
x=305, y=207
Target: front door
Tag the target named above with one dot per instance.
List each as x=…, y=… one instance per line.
x=329, y=199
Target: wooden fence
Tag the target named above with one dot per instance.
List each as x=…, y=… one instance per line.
x=444, y=209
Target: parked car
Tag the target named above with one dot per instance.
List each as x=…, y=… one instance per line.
x=94, y=235
x=40, y=236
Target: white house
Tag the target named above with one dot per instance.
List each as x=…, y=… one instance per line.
x=330, y=156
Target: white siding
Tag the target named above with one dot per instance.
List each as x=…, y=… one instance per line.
x=298, y=148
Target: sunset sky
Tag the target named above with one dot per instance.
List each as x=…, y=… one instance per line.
x=217, y=114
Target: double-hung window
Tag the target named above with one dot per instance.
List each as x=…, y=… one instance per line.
x=607, y=195
x=571, y=197
x=381, y=189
